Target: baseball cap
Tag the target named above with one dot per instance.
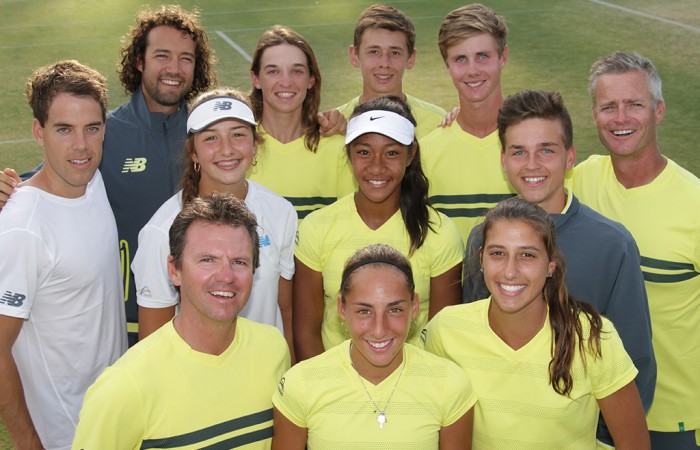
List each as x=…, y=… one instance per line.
x=388, y=123
x=216, y=109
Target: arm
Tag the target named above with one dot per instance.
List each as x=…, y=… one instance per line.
x=9, y=180
x=286, y=435
x=284, y=300
x=458, y=436
x=332, y=122
x=445, y=290
x=13, y=407
x=624, y=416
x=307, y=316
x=150, y=319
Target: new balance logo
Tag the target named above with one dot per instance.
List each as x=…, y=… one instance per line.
x=11, y=299
x=223, y=106
x=134, y=165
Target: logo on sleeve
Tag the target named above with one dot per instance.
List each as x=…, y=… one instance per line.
x=134, y=165
x=280, y=387
x=12, y=299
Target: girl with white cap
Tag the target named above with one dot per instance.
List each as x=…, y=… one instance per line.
x=221, y=146
x=391, y=207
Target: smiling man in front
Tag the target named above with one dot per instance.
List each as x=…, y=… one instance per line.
x=207, y=377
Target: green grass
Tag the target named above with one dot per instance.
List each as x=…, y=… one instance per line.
x=552, y=45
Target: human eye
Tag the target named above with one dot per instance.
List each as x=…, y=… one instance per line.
x=63, y=130
x=240, y=262
x=482, y=56
x=93, y=129
x=460, y=59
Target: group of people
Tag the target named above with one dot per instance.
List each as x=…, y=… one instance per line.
x=382, y=275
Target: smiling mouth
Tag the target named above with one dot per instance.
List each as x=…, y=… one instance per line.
x=475, y=84
x=171, y=83
x=377, y=183
x=228, y=164
x=225, y=294
x=512, y=288
x=379, y=345
x=534, y=180
x=622, y=132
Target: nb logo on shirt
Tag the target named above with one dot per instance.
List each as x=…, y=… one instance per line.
x=264, y=241
x=134, y=165
x=223, y=106
x=11, y=299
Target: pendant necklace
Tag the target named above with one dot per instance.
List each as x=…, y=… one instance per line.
x=381, y=417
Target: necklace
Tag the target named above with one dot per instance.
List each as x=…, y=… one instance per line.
x=381, y=417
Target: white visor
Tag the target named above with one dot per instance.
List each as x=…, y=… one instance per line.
x=216, y=109
x=388, y=123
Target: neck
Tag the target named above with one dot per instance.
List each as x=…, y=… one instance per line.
x=516, y=330
x=480, y=118
x=285, y=127
x=239, y=189
x=211, y=338
x=42, y=180
x=373, y=374
x=556, y=204
x=374, y=215
x=633, y=172
x=368, y=95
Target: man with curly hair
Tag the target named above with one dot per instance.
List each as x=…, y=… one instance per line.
x=165, y=60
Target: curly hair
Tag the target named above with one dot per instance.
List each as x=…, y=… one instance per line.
x=135, y=42
x=279, y=35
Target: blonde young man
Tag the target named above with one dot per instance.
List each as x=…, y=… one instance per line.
x=383, y=49
x=463, y=160
x=659, y=202
x=61, y=311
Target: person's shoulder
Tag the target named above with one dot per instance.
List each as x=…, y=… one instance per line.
x=438, y=134
x=594, y=163
x=165, y=214
x=602, y=226
x=347, y=108
x=416, y=103
x=689, y=180
x=262, y=333
x=267, y=198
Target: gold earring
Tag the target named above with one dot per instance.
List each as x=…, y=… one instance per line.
x=255, y=160
x=196, y=167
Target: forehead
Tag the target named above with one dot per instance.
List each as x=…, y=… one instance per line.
x=535, y=130
x=632, y=84
x=369, y=278
x=513, y=233
x=70, y=108
x=381, y=37
x=283, y=54
x=165, y=37
x=478, y=42
x=206, y=237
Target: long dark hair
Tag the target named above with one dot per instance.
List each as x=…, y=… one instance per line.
x=279, y=35
x=565, y=312
x=413, y=199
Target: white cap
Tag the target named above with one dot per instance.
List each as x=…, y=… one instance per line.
x=388, y=123
x=216, y=109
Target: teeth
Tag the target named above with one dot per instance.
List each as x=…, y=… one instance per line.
x=477, y=84
x=227, y=164
x=79, y=161
x=534, y=179
x=622, y=132
x=376, y=182
x=222, y=294
x=379, y=345
x=170, y=82
x=383, y=77
x=285, y=94
x=512, y=288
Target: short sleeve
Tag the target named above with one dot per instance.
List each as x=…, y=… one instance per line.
x=308, y=243
x=430, y=339
x=150, y=266
x=113, y=406
x=460, y=395
x=289, y=397
x=23, y=267
x=446, y=247
x=287, y=245
x=614, y=370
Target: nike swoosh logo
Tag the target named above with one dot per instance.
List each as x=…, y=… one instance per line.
x=375, y=118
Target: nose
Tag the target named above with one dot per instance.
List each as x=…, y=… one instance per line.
x=225, y=272
x=532, y=161
x=384, y=59
x=226, y=145
x=621, y=114
x=511, y=268
x=80, y=142
x=378, y=326
x=375, y=165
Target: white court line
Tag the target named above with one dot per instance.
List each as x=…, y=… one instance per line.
x=648, y=16
x=17, y=141
x=237, y=47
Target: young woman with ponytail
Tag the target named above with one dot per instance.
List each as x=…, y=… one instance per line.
x=542, y=363
x=390, y=207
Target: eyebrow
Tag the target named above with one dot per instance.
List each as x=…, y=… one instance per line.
x=394, y=303
x=64, y=124
x=524, y=247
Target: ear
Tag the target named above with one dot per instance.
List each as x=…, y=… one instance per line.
x=341, y=308
x=660, y=111
x=38, y=132
x=354, y=58
x=570, y=158
x=256, y=81
x=411, y=60
x=139, y=64
x=414, y=306
x=551, y=266
x=173, y=272
x=504, y=57
x=312, y=81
